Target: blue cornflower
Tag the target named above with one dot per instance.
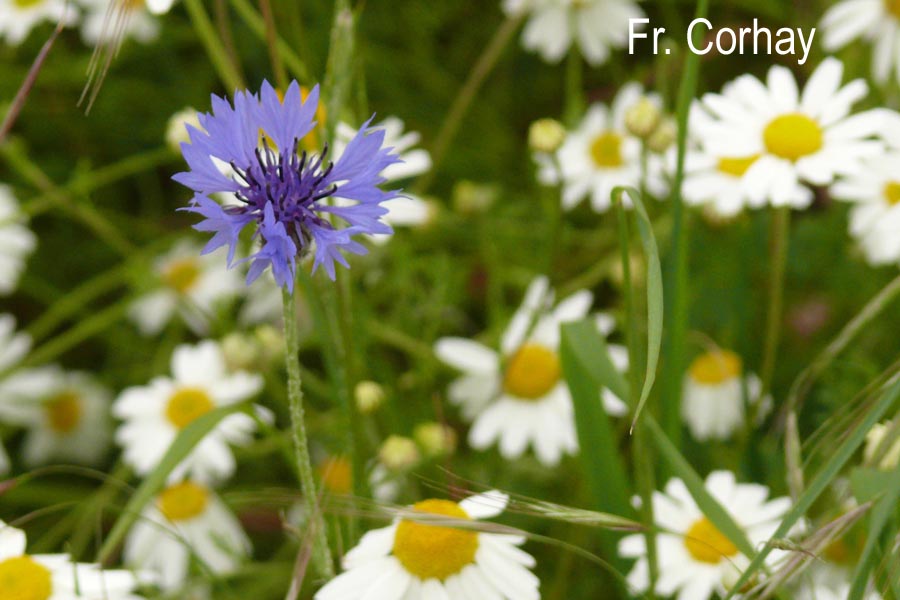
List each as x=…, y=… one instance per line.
x=281, y=188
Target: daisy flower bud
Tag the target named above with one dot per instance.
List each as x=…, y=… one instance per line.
x=436, y=439
x=369, y=396
x=546, y=135
x=398, y=453
x=663, y=136
x=643, y=118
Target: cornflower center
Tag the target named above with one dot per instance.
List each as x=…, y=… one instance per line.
x=893, y=7
x=186, y=405
x=435, y=551
x=892, y=190
x=182, y=501
x=337, y=475
x=793, y=136
x=181, y=274
x=716, y=367
x=736, y=167
x=64, y=411
x=293, y=184
x=606, y=150
x=532, y=372
x=707, y=544
x=21, y=578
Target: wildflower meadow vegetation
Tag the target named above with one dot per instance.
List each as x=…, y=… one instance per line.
x=417, y=300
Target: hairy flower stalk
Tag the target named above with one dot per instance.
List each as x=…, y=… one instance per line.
x=251, y=149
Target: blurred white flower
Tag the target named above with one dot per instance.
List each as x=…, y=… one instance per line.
x=824, y=592
x=13, y=348
x=19, y=17
x=154, y=414
x=176, y=128
x=712, y=403
x=778, y=138
x=16, y=240
x=874, y=192
x=66, y=415
x=518, y=396
x=601, y=155
x=875, y=21
x=890, y=458
x=694, y=558
x=186, y=521
x=55, y=576
x=191, y=284
x=102, y=23
x=407, y=210
x=412, y=560
x=595, y=26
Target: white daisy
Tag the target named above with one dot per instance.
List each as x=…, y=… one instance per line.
x=13, y=348
x=875, y=21
x=66, y=415
x=601, y=155
x=407, y=210
x=155, y=413
x=186, y=520
x=595, y=26
x=411, y=560
x=788, y=137
x=19, y=17
x=191, y=284
x=824, y=592
x=695, y=559
x=16, y=240
x=875, y=216
x=176, y=128
x=100, y=25
x=518, y=396
x=55, y=576
x=713, y=395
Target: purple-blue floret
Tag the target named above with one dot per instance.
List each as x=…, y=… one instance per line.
x=287, y=192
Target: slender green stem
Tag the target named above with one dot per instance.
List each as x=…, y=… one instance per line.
x=574, y=88
x=272, y=44
x=218, y=55
x=677, y=273
x=781, y=223
x=643, y=464
x=321, y=550
x=338, y=73
x=223, y=24
x=257, y=26
x=467, y=93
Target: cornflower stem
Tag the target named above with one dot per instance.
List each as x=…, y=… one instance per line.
x=321, y=550
x=677, y=272
x=466, y=95
x=218, y=55
x=644, y=476
x=781, y=223
x=265, y=7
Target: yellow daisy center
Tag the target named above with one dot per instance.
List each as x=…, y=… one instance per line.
x=716, y=367
x=736, y=167
x=186, y=405
x=337, y=475
x=21, y=578
x=707, y=544
x=435, y=551
x=532, y=372
x=64, y=411
x=892, y=188
x=793, y=136
x=893, y=7
x=606, y=150
x=25, y=4
x=181, y=274
x=183, y=501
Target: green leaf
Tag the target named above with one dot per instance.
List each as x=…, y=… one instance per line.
x=189, y=437
x=708, y=505
x=821, y=481
x=872, y=483
x=654, y=293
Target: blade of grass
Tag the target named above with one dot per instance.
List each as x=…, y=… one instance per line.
x=821, y=481
x=189, y=437
x=881, y=514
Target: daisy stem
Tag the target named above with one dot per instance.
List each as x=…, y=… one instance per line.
x=574, y=106
x=218, y=55
x=781, y=223
x=321, y=551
